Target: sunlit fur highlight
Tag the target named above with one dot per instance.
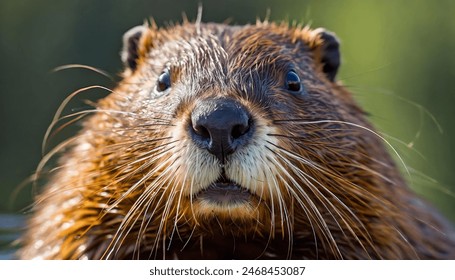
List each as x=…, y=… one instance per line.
x=321, y=181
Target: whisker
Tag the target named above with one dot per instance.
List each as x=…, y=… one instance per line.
x=156, y=185
x=298, y=121
x=327, y=203
x=82, y=66
x=62, y=106
x=314, y=213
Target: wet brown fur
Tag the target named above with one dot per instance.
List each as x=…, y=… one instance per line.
x=122, y=187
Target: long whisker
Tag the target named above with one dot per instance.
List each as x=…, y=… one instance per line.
x=62, y=106
x=82, y=66
x=328, y=204
x=298, y=121
x=134, y=210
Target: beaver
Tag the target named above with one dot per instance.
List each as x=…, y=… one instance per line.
x=230, y=142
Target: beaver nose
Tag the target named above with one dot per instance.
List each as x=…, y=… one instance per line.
x=220, y=126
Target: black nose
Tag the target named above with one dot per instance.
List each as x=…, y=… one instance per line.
x=220, y=126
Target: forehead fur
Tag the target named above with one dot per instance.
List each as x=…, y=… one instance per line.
x=256, y=42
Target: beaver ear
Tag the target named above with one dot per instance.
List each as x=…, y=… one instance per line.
x=130, y=51
x=330, y=53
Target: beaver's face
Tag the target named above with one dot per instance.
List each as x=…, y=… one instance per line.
x=228, y=142
x=239, y=116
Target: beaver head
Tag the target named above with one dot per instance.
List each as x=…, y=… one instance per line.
x=229, y=142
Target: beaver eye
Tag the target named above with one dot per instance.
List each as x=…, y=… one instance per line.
x=292, y=82
x=164, y=81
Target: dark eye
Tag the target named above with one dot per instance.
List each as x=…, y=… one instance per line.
x=292, y=82
x=164, y=81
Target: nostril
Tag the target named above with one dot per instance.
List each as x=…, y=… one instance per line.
x=202, y=131
x=239, y=130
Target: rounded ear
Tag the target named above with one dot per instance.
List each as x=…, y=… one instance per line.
x=330, y=53
x=130, y=51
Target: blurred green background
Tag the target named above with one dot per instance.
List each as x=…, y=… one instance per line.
x=398, y=60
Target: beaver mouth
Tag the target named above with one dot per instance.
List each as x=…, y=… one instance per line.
x=224, y=192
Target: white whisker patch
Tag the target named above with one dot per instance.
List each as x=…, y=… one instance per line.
x=249, y=167
x=198, y=168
